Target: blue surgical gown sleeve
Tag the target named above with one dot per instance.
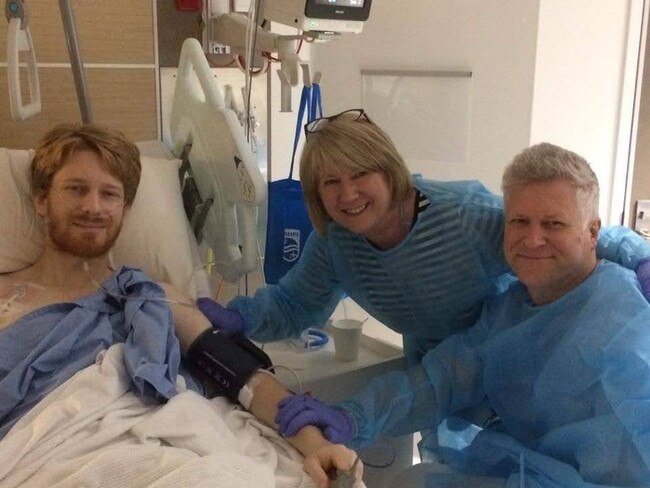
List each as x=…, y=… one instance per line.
x=626, y=381
x=482, y=221
x=449, y=379
x=151, y=351
x=622, y=245
x=305, y=297
x=536, y=470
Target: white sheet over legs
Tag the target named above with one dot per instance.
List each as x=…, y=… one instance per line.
x=92, y=431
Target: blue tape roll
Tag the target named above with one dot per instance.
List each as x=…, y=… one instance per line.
x=316, y=338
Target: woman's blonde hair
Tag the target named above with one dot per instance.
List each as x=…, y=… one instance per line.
x=119, y=156
x=356, y=144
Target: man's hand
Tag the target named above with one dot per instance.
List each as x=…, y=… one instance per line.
x=297, y=411
x=328, y=459
x=230, y=322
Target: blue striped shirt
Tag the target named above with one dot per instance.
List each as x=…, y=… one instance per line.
x=429, y=286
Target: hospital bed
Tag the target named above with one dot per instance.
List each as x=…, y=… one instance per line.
x=91, y=429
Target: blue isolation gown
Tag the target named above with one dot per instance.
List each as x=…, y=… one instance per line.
x=47, y=346
x=428, y=287
x=569, y=380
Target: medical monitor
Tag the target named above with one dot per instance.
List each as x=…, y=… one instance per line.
x=319, y=15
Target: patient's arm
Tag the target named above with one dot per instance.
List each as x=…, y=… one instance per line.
x=189, y=322
x=321, y=455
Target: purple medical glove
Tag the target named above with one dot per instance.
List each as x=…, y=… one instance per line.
x=230, y=322
x=643, y=275
x=296, y=411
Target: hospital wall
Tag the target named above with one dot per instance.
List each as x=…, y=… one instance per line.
x=640, y=174
x=584, y=95
x=494, y=40
x=117, y=46
x=553, y=70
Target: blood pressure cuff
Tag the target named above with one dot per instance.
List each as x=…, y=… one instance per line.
x=224, y=364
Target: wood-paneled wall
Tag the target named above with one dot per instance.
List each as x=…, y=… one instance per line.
x=111, y=34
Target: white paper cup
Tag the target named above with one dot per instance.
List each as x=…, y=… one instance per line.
x=346, y=333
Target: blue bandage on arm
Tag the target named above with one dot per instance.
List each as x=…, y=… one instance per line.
x=224, y=364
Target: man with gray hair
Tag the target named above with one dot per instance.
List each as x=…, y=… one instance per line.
x=562, y=358
x=552, y=223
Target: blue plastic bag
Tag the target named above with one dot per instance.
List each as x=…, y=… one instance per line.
x=288, y=224
x=288, y=227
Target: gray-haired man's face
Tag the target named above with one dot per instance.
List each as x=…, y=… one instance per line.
x=547, y=242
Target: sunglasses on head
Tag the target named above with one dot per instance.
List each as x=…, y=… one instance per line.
x=318, y=124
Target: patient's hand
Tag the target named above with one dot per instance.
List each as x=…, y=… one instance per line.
x=327, y=459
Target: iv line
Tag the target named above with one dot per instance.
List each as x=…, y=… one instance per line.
x=86, y=268
x=6, y=306
x=18, y=294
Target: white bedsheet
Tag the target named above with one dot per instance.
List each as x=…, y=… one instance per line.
x=92, y=431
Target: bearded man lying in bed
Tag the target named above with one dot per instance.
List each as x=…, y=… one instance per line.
x=58, y=314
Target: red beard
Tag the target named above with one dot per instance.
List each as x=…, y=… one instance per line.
x=79, y=243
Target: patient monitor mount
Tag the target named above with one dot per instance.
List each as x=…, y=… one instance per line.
x=316, y=19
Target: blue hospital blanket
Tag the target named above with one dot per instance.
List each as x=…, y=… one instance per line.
x=49, y=345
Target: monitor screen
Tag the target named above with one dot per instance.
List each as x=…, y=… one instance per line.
x=355, y=10
x=341, y=3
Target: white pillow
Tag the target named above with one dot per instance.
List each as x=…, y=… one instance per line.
x=21, y=234
x=155, y=235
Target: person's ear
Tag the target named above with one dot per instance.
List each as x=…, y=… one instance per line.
x=40, y=203
x=594, y=229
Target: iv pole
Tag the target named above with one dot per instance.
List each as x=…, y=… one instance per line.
x=70, y=30
x=19, y=40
